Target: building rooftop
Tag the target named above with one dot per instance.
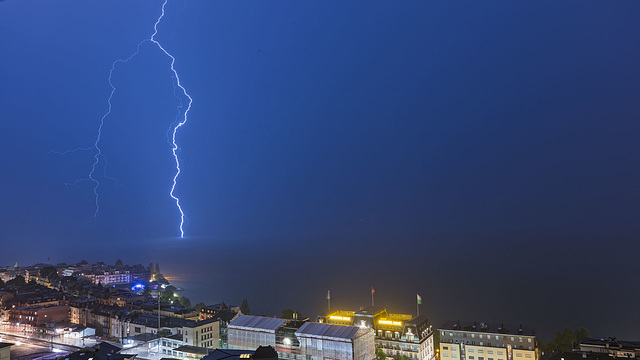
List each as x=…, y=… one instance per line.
x=418, y=319
x=193, y=350
x=175, y=337
x=494, y=328
x=580, y=356
x=371, y=310
x=611, y=343
x=227, y=354
x=257, y=322
x=328, y=330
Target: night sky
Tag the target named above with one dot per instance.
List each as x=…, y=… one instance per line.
x=483, y=154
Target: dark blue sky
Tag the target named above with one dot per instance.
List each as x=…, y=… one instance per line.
x=441, y=147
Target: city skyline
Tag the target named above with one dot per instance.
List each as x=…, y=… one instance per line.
x=457, y=151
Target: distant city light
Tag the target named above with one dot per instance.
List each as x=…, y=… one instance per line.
x=137, y=287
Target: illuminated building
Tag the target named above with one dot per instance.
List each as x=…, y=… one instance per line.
x=611, y=346
x=109, y=277
x=326, y=341
x=395, y=334
x=225, y=314
x=483, y=342
x=248, y=332
x=302, y=340
x=211, y=311
x=39, y=315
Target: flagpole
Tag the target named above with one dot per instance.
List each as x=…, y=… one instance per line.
x=373, y=291
x=329, y=299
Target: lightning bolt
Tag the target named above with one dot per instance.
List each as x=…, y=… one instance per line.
x=174, y=148
x=99, y=157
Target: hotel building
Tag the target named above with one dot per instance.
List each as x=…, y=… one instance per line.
x=473, y=341
x=396, y=334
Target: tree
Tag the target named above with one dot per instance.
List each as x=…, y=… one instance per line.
x=50, y=273
x=118, y=262
x=1, y=283
x=157, y=268
x=168, y=294
x=184, y=301
x=161, y=280
x=380, y=355
x=151, y=268
x=147, y=293
x=289, y=314
x=244, y=308
x=565, y=340
x=17, y=281
x=199, y=306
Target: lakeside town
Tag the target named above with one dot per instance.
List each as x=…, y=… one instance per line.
x=100, y=311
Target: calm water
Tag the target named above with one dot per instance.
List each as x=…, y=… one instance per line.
x=547, y=288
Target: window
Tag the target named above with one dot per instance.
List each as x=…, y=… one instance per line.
x=480, y=350
x=470, y=350
x=470, y=357
x=500, y=353
x=528, y=355
x=454, y=355
x=445, y=355
x=529, y=339
x=480, y=358
x=519, y=354
x=445, y=347
x=489, y=351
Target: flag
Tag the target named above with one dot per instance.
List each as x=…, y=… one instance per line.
x=328, y=294
x=419, y=299
x=373, y=291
